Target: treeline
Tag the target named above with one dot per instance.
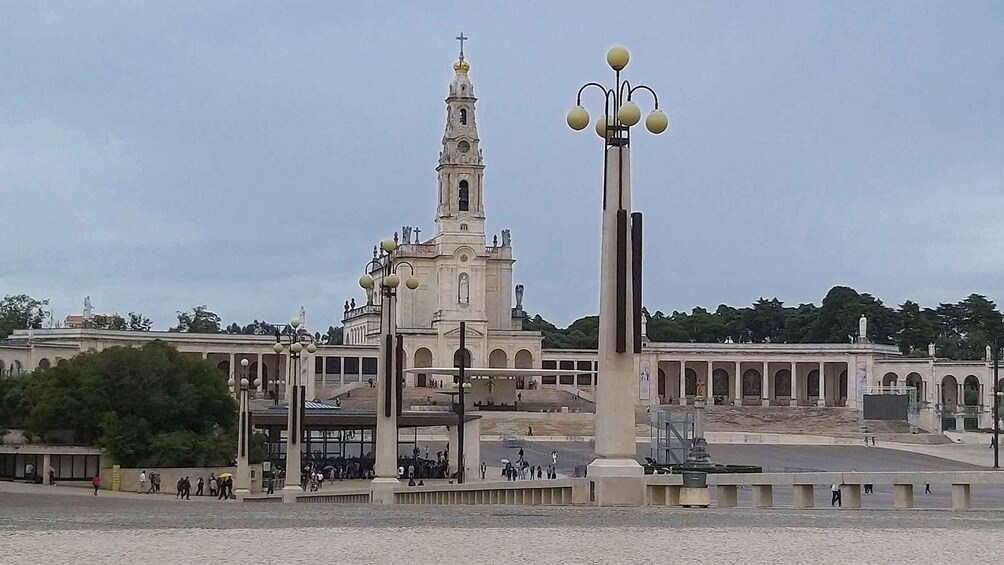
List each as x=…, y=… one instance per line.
x=961, y=330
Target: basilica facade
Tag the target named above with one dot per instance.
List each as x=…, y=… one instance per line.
x=463, y=277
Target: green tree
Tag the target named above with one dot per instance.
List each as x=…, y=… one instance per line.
x=334, y=336
x=915, y=329
x=109, y=322
x=20, y=312
x=199, y=321
x=149, y=405
x=139, y=323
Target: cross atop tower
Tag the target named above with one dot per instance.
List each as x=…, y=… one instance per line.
x=462, y=39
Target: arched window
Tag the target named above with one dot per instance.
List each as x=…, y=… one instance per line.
x=463, y=116
x=465, y=196
x=464, y=289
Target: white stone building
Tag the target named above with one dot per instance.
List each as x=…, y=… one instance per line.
x=463, y=276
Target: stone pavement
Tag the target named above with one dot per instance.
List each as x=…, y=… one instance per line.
x=88, y=530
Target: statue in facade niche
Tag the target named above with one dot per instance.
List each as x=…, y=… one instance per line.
x=353, y=304
x=495, y=241
x=346, y=306
x=519, y=297
x=88, y=308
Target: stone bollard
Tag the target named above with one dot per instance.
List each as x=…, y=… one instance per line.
x=728, y=496
x=850, y=496
x=960, y=498
x=902, y=496
x=763, y=496
x=804, y=496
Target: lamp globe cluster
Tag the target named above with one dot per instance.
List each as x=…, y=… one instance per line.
x=629, y=114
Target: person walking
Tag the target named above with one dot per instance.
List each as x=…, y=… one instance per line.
x=96, y=483
x=835, y=492
x=927, y=489
x=529, y=431
x=142, y=482
x=271, y=484
x=52, y=476
x=554, y=457
x=188, y=489
x=212, y=484
x=484, y=469
x=199, y=487
x=179, y=488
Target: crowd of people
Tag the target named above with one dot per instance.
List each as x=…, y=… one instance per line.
x=221, y=487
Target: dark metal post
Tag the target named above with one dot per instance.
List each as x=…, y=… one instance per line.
x=462, y=407
x=997, y=400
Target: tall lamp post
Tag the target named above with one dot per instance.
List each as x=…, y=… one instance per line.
x=615, y=474
x=296, y=343
x=390, y=363
x=244, y=431
x=998, y=397
x=462, y=385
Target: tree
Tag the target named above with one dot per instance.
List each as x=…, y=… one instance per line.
x=139, y=323
x=20, y=312
x=915, y=329
x=199, y=321
x=333, y=335
x=112, y=322
x=147, y=406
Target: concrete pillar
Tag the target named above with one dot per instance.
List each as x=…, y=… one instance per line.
x=683, y=383
x=960, y=498
x=385, y=436
x=794, y=384
x=454, y=442
x=310, y=374
x=850, y=496
x=738, y=377
x=728, y=496
x=709, y=392
x=472, y=450
x=43, y=471
x=902, y=496
x=233, y=365
x=804, y=496
x=261, y=381
x=822, y=382
x=618, y=478
x=765, y=385
x=763, y=496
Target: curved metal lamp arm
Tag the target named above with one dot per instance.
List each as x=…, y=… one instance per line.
x=578, y=96
x=655, y=96
x=403, y=262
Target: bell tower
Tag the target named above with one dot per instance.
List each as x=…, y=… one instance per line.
x=461, y=206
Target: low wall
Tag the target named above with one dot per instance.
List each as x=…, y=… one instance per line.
x=169, y=478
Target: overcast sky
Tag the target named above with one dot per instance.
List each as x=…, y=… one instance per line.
x=247, y=155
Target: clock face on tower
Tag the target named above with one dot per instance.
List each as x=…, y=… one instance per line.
x=464, y=147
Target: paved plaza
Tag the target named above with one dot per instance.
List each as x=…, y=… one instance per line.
x=60, y=528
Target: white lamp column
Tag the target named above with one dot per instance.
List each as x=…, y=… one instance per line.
x=385, y=467
x=385, y=483
x=615, y=475
x=243, y=478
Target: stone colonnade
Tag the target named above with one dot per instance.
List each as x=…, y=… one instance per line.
x=745, y=382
